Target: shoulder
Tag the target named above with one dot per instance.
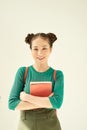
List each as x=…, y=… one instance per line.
x=20, y=71
x=59, y=76
x=58, y=73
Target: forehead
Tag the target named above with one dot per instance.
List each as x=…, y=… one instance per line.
x=40, y=42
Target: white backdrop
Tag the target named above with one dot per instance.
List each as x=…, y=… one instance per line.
x=68, y=20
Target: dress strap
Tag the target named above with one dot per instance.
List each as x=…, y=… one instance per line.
x=25, y=74
x=54, y=75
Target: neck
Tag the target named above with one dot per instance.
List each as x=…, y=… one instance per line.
x=41, y=67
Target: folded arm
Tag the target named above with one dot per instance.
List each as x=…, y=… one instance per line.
x=42, y=102
x=26, y=106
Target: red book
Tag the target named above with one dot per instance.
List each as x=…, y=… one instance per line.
x=42, y=89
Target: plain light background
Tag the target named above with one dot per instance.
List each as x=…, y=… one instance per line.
x=68, y=20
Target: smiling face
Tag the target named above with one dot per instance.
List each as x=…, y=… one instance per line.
x=40, y=50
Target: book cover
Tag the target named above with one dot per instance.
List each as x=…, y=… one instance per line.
x=42, y=89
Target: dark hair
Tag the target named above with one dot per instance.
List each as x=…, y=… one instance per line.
x=51, y=37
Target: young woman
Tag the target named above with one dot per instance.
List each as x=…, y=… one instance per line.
x=42, y=93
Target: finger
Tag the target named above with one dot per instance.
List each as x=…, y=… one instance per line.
x=51, y=94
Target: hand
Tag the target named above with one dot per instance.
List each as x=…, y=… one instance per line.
x=51, y=94
x=23, y=96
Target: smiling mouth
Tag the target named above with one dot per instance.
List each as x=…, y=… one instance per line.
x=40, y=58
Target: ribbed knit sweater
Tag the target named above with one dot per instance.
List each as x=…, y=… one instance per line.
x=35, y=76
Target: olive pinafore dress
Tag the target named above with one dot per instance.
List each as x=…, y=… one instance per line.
x=39, y=119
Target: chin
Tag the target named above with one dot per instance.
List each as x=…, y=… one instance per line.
x=41, y=62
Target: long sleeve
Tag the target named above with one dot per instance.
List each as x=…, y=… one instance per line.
x=17, y=87
x=57, y=99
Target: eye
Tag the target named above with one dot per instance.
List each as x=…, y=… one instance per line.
x=44, y=48
x=35, y=49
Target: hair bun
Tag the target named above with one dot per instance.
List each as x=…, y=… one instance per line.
x=29, y=38
x=52, y=37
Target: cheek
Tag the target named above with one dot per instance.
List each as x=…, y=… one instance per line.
x=48, y=53
x=34, y=55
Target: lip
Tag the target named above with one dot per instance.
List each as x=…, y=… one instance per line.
x=40, y=58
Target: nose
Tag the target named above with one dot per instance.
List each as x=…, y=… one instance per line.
x=40, y=53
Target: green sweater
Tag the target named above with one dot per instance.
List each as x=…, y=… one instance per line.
x=34, y=76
